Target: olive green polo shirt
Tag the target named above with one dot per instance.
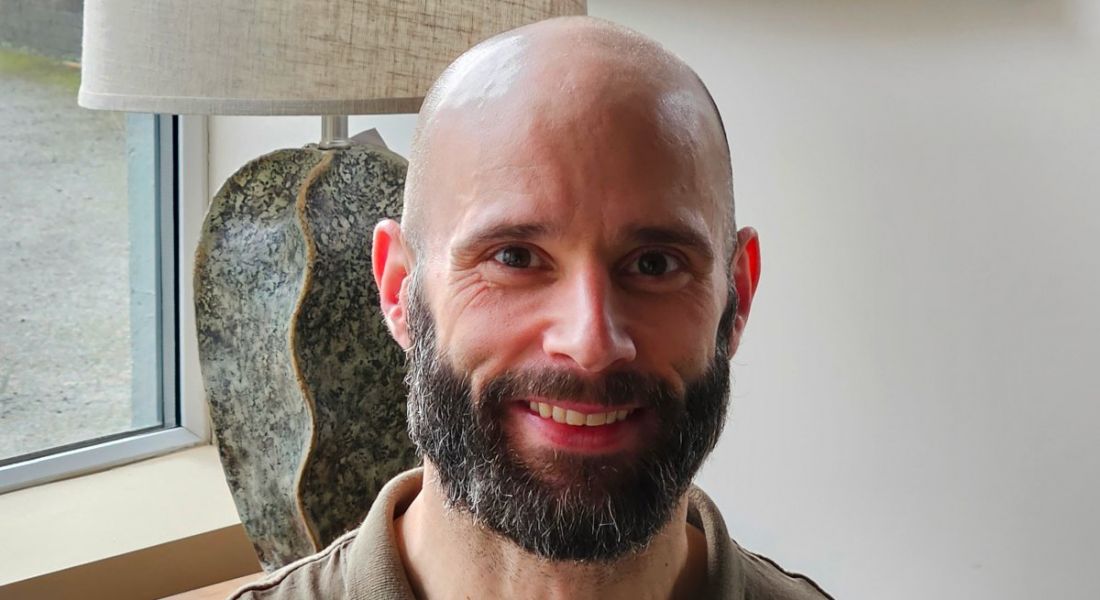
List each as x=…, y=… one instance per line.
x=364, y=564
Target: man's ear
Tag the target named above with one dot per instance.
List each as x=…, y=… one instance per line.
x=745, y=274
x=391, y=274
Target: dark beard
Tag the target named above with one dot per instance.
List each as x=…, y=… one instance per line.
x=565, y=507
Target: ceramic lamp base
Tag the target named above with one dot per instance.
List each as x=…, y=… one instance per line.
x=305, y=385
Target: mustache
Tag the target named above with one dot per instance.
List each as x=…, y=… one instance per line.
x=626, y=388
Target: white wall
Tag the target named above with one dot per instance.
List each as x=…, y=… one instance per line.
x=915, y=409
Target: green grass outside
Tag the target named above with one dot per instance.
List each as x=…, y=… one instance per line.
x=38, y=69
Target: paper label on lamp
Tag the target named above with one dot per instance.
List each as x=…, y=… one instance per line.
x=369, y=137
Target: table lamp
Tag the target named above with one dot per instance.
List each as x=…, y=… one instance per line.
x=304, y=384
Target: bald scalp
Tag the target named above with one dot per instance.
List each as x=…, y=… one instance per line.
x=566, y=68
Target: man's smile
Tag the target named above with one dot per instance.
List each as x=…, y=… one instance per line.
x=577, y=427
x=569, y=416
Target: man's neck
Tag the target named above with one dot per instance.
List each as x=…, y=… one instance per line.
x=447, y=555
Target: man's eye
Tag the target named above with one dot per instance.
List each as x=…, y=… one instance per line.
x=516, y=257
x=654, y=264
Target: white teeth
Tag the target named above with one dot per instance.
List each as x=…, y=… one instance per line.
x=596, y=419
x=577, y=418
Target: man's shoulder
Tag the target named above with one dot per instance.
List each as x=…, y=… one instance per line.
x=766, y=580
x=320, y=575
x=362, y=563
x=737, y=573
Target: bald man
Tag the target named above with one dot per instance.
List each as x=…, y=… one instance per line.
x=569, y=284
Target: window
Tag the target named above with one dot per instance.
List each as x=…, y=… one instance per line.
x=89, y=353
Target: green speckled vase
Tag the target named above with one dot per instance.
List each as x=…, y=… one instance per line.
x=305, y=384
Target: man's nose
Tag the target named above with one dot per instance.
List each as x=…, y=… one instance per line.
x=587, y=328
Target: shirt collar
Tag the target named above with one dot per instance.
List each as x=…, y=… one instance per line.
x=375, y=570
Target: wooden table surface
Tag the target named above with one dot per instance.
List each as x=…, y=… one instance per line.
x=218, y=591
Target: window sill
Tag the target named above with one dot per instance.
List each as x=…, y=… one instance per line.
x=147, y=529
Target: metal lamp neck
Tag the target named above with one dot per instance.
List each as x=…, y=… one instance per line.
x=334, y=132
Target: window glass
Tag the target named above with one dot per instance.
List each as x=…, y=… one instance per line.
x=81, y=196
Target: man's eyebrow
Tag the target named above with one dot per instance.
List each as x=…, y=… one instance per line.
x=687, y=237
x=500, y=232
x=675, y=235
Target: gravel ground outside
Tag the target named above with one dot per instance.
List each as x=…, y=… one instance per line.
x=65, y=364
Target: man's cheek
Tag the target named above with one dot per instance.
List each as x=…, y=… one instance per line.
x=494, y=335
x=677, y=336
x=466, y=305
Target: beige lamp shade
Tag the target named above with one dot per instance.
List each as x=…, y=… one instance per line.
x=284, y=57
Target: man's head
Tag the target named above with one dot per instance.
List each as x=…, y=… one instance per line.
x=567, y=253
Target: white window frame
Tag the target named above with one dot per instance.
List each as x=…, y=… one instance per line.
x=193, y=426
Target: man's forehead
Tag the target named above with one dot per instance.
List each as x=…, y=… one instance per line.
x=516, y=84
x=585, y=120
x=621, y=172
x=485, y=72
